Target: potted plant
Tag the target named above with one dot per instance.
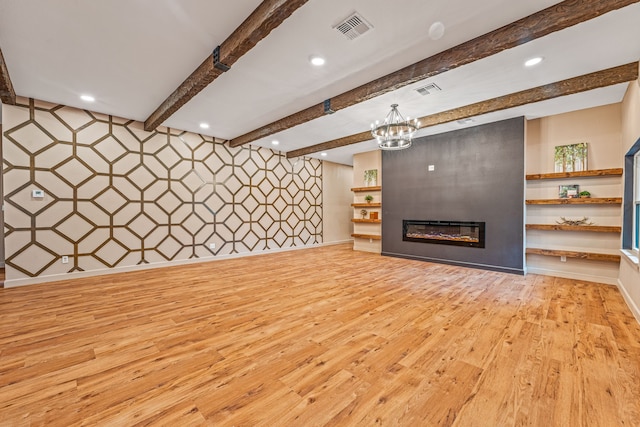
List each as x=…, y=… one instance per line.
x=368, y=198
x=363, y=212
x=585, y=194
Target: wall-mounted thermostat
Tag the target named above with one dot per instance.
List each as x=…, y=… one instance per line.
x=37, y=194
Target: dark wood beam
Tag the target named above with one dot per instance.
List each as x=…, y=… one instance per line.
x=7, y=94
x=608, y=77
x=540, y=24
x=266, y=17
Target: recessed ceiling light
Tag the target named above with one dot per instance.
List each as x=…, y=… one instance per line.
x=533, y=61
x=323, y=154
x=274, y=142
x=317, y=60
x=204, y=125
x=87, y=98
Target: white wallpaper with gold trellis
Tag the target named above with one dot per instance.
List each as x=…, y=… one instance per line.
x=116, y=195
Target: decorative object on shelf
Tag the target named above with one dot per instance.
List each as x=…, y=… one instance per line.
x=568, y=191
x=368, y=198
x=373, y=215
x=583, y=221
x=571, y=158
x=585, y=193
x=395, y=132
x=371, y=178
x=363, y=212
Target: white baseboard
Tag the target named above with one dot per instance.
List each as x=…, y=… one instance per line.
x=575, y=276
x=82, y=274
x=635, y=310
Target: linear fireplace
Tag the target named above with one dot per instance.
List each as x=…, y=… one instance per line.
x=458, y=233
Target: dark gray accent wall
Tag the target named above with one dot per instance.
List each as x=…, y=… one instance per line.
x=478, y=176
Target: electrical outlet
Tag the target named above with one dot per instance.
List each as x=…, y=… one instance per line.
x=431, y=168
x=212, y=245
x=65, y=259
x=563, y=258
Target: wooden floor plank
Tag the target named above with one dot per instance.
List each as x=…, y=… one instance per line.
x=323, y=336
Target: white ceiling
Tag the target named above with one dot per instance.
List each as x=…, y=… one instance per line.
x=131, y=54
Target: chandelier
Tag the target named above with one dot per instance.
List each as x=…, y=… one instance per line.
x=395, y=132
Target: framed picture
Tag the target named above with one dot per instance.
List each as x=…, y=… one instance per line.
x=568, y=191
x=371, y=178
x=571, y=158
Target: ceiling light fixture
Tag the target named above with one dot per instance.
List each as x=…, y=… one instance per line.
x=317, y=60
x=204, y=125
x=87, y=98
x=274, y=142
x=395, y=132
x=323, y=154
x=533, y=61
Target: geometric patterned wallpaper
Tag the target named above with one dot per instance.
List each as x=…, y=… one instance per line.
x=116, y=195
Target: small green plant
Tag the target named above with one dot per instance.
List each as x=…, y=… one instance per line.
x=368, y=198
x=585, y=194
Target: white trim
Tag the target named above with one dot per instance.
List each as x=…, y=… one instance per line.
x=83, y=274
x=575, y=276
x=635, y=310
x=630, y=256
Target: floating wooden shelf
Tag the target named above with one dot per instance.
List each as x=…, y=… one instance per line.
x=372, y=221
x=573, y=254
x=583, y=174
x=367, y=236
x=580, y=201
x=562, y=227
x=367, y=205
x=365, y=189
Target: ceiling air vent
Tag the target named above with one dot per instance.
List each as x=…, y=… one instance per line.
x=428, y=89
x=354, y=26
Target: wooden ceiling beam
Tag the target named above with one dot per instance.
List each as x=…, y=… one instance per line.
x=266, y=17
x=611, y=76
x=7, y=93
x=537, y=25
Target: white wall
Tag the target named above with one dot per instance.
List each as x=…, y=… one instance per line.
x=629, y=279
x=601, y=128
x=336, y=201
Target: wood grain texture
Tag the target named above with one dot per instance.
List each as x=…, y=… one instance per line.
x=367, y=205
x=266, y=17
x=589, y=228
x=554, y=18
x=591, y=256
x=366, y=236
x=578, y=201
x=580, y=174
x=325, y=336
x=7, y=93
x=372, y=221
x=598, y=79
x=365, y=189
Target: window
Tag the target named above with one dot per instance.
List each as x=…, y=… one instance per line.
x=636, y=203
x=631, y=212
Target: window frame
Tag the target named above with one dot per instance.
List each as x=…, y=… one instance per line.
x=631, y=207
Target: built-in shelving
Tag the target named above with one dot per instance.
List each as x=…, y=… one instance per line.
x=367, y=236
x=371, y=221
x=366, y=205
x=563, y=227
x=590, y=252
x=581, y=174
x=577, y=201
x=591, y=256
x=365, y=189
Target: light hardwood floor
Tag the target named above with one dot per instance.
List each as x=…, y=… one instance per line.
x=323, y=336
